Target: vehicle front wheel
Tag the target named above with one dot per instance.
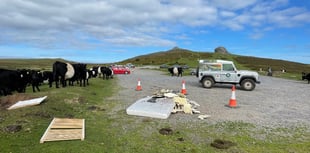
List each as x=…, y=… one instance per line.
x=207, y=82
x=248, y=84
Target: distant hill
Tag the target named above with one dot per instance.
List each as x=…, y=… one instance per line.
x=190, y=58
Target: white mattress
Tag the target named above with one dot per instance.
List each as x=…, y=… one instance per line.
x=148, y=107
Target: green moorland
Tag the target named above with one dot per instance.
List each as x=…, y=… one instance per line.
x=109, y=129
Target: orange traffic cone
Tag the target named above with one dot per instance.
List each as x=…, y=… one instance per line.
x=139, y=88
x=183, y=91
x=233, y=101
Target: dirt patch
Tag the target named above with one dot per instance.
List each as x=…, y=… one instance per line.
x=38, y=114
x=222, y=144
x=76, y=100
x=69, y=116
x=95, y=108
x=166, y=131
x=12, y=128
x=7, y=101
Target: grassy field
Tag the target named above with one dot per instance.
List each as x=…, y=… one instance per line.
x=109, y=129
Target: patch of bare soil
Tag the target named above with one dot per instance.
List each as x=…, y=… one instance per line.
x=7, y=101
x=12, y=128
x=39, y=114
x=166, y=131
x=222, y=144
x=95, y=108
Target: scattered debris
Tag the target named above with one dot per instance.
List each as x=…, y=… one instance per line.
x=166, y=131
x=25, y=103
x=64, y=129
x=222, y=144
x=12, y=128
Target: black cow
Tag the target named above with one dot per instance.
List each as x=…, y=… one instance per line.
x=35, y=79
x=80, y=74
x=11, y=80
x=176, y=71
x=62, y=72
x=48, y=75
x=305, y=76
x=31, y=77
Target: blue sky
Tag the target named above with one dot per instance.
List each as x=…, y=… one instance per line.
x=104, y=31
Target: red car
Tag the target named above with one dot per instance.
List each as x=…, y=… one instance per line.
x=120, y=70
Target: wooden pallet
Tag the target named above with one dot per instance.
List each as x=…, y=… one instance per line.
x=64, y=129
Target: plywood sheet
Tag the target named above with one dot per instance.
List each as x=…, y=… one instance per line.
x=148, y=107
x=64, y=129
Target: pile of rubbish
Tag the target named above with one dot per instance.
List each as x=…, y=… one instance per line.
x=182, y=104
x=162, y=103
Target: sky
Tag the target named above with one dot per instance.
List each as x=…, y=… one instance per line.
x=105, y=31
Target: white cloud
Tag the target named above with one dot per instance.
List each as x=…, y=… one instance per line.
x=141, y=22
x=233, y=4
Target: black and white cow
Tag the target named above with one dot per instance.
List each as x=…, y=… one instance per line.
x=107, y=72
x=305, y=76
x=176, y=71
x=61, y=72
x=102, y=71
x=96, y=70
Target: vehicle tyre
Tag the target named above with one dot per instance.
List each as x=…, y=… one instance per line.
x=248, y=84
x=207, y=82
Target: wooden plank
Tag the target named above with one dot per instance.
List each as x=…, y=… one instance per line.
x=68, y=123
x=68, y=134
x=83, y=131
x=64, y=129
x=46, y=131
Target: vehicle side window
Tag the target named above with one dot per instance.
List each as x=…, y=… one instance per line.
x=228, y=67
x=215, y=67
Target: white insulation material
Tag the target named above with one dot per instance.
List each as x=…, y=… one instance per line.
x=152, y=107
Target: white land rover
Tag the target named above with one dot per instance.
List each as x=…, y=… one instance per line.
x=210, y=72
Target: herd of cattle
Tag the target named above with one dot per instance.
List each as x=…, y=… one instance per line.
x=18, y=80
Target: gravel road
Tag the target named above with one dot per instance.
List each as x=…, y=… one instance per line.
x=274, y=102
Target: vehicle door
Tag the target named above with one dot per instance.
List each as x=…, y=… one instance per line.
x=228, y=73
